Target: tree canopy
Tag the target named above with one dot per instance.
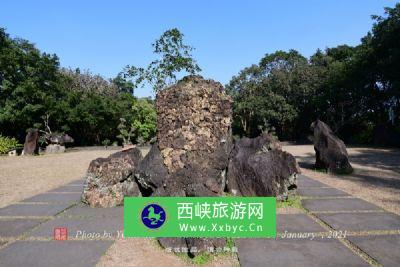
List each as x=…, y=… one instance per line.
x=174, y=57
x=354, y=89
x=86, y=106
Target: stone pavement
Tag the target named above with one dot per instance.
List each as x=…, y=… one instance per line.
x=27, y=230
x=335, y=230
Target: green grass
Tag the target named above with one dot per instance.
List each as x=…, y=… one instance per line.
x=229, y=242
x=321, y=170
x=205, y=257
x=202, y=259
x=293, y=201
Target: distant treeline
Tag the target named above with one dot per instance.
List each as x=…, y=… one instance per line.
x=33, y=88
x=356, y=90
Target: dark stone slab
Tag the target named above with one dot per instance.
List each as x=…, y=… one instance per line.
x=304, y=181
x=336, y=204
x=361, y=221
x=297, y=223
x=82, y=228
x=321, y=192
x=383, y=248
x=295, y=252
x=32, y=210
x=53, y=253
x=56, y=198
x=68, y=188
x=16, y=227
x=88, y=212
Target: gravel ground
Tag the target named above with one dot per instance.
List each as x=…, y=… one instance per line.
x=376, y=176
x=376, y=179
x=22, y=177
x=137, y=252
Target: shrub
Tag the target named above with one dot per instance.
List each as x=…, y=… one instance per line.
x=7, y=144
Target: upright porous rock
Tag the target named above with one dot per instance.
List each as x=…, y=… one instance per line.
x=31, y=142
x=330, y=151
x=191, y=154
x=194, y=136
x=108, y=180
x=259, y=167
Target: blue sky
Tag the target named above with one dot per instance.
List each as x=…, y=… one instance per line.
x=104, y=36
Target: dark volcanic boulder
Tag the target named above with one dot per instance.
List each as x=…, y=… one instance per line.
x=194, y=136
x=258, y=167
x=191, y=154
x=31, y=142
x=330, y=151
x=108, y=180
x=151, y=173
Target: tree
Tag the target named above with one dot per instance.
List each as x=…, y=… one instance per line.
x=144, y=119
x=174, y=58
x=265, y=95
x=32, y=85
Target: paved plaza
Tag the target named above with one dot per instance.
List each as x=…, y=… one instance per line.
x=335, y=229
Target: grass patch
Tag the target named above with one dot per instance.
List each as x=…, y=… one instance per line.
x=293, y=201
x=206, y=257
x=321, y=170
x=202, y=259
x=229, y=242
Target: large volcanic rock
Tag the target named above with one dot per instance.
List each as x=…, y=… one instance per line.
x=258, y=167
x=330, y=151
x=194, y=136
x=108, y=180
x=191, y=154
x=31, y=142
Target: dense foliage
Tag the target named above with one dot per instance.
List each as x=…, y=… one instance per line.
x=7, y=144
x=356, y=90
x=34, y=87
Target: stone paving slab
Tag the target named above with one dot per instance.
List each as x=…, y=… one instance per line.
x=88, y=212
x=53, y=253
x=361, y=221
x=68, y=188
x=344, y=204
x=383, y=248
x=32, y=210
x=297, y=223
x=55, y=198
x=304, y=181
x=295, y=252
x=16, y=227
x=82, y=228
x=321, y=192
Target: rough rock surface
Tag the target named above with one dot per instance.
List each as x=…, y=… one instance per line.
x=108, y=180
x=194, y=136
x=58, y=138
x=259, y=167
x=55, y=149
x=330, y=151
x=31, y=142
x=192, y=150
x=151, y=173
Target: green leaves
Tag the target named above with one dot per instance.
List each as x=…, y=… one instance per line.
x=174, y=57
x=7, y=144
